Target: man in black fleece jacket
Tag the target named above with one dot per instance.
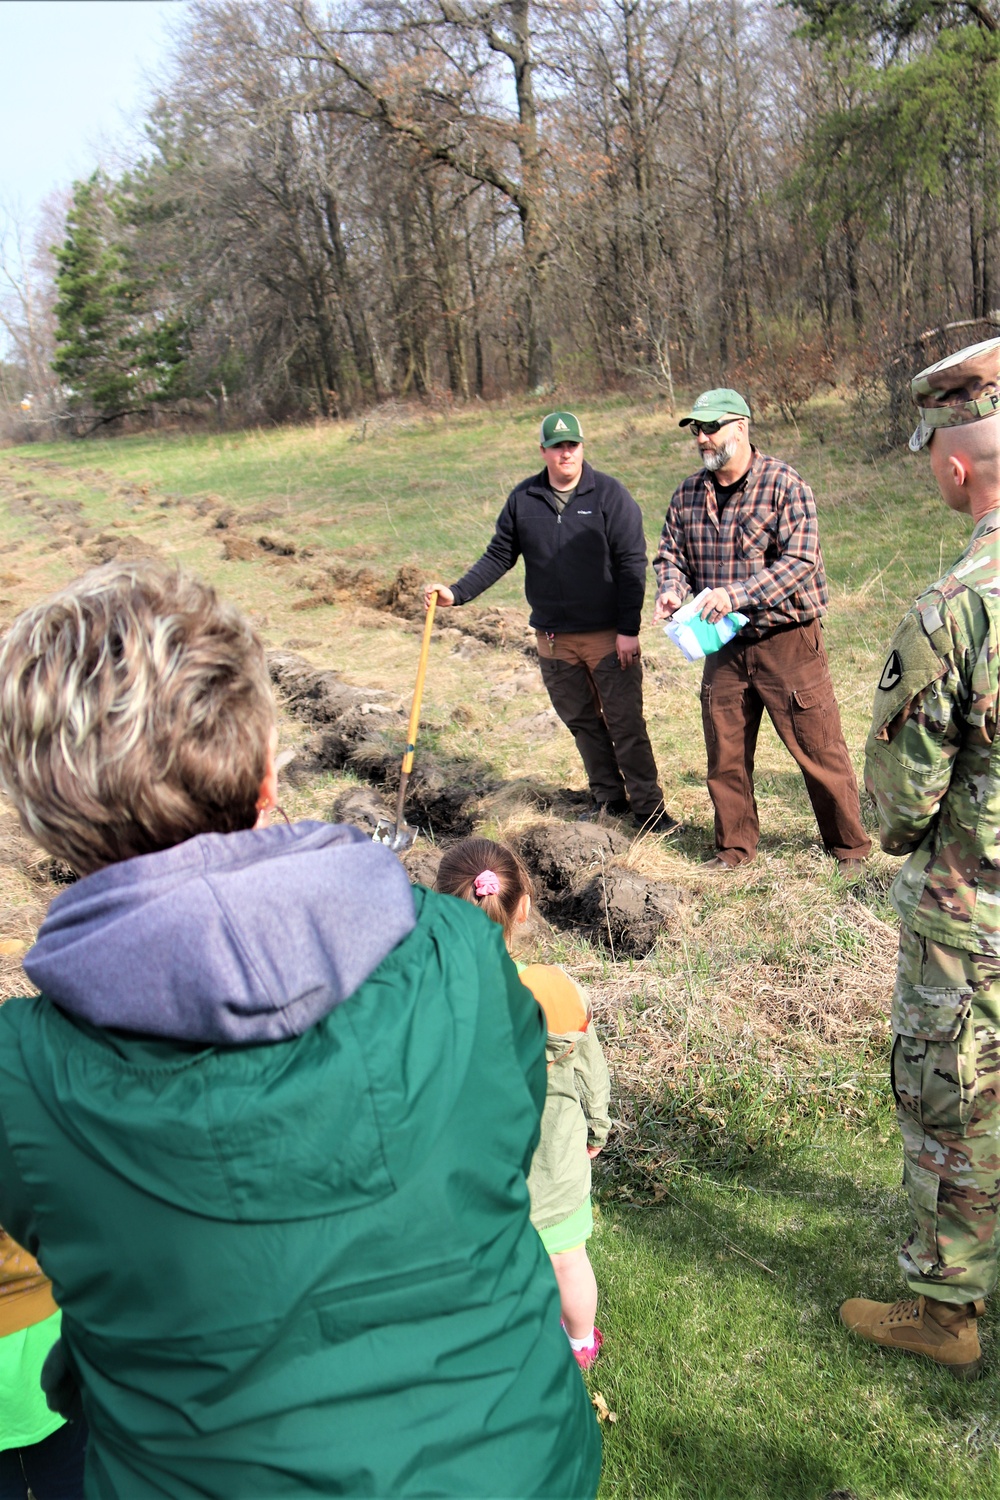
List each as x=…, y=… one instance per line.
x=580, y=534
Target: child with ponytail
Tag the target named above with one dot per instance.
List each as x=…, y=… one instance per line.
x=575, y=1121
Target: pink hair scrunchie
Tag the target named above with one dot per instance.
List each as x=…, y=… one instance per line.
x=487, y=884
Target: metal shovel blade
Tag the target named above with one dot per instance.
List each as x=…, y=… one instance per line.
x=396, y=836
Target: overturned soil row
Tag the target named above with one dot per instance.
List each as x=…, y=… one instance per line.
x=254, y=535
x=403, y=596
x=362, y=730
x=582, y=883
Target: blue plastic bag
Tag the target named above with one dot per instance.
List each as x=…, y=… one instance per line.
x=696, y=637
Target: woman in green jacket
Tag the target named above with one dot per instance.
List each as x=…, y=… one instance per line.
x=267, y=1125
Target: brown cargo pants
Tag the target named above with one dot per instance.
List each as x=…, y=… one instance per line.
x=787, y=674
x=601, y=706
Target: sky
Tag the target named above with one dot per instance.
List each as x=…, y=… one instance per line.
x=73, y=78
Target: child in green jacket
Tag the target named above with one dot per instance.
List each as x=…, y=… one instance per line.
x=575, y=1122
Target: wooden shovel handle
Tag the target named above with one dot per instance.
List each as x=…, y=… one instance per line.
x=418, y=691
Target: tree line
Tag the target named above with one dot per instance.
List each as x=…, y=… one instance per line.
x=456, y=198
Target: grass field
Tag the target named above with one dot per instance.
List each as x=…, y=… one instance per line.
x=752, y=1181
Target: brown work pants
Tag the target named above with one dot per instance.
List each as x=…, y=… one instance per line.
x=601, y=706
x=786, y=673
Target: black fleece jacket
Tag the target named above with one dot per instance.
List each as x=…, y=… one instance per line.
x=584, y=569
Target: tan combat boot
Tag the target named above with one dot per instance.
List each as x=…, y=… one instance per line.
x=938, y=1330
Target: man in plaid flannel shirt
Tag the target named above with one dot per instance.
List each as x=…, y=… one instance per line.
x=744, y=526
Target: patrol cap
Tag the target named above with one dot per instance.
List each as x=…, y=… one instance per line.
x=960, y=388
x=561, y=427
x=713, y=406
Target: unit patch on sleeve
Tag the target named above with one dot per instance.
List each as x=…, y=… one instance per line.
x=911, y=666
x=892, y=673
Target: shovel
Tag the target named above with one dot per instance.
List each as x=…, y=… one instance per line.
x=399, y=835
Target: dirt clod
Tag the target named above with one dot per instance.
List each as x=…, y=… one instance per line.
x=560, y=854
x=421, y=863
x=361, y=806
x=276, y=545
x=125, y=548
x=313, y=694
x=406, y=593
x=239, y=548
x=582, y=883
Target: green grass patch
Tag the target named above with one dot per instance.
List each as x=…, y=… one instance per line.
x=725, y=1365
x=729, y=1107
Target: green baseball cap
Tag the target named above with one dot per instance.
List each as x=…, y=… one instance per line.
x=713, y=406
x=961, y=388
x=561, y=427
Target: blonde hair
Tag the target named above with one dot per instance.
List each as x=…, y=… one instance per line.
x=135, y=712
x=463, y=864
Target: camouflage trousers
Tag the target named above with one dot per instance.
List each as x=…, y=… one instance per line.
x=946, y=1080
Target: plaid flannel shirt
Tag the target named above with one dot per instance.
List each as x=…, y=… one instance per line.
x=764, y=550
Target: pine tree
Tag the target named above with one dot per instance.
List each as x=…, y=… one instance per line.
x=116, y=349
x=93, y=313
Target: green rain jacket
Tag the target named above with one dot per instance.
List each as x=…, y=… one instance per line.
x=305, y=1267
x=933, y=755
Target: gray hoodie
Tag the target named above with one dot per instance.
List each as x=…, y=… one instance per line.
x=187, y=943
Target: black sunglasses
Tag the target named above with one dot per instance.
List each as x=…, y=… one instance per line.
x=711, y=428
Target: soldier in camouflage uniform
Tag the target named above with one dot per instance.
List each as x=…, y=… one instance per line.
x=933, y=767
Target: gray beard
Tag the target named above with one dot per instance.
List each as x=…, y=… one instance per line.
x=719, y=458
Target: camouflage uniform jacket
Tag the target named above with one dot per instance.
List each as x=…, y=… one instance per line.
x=933, y=755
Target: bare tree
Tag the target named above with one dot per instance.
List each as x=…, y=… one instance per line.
x=27, y=312
x=429, y=74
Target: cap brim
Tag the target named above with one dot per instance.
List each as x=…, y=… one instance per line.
x=554, y=442
x=921, y=437
x=711, y=416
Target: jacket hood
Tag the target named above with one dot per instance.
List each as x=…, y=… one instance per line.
x=226, y=939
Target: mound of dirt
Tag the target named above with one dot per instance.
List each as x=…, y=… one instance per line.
x=505, y=628
x=110, y=547
x=278, y=546
x=236, y=548
x=583, y=884
x=403, y=596
x=562, y=855
x=316, y=695
x=421, y=863
x=361, y=806
x=627, y=908
x=341, y=584
x=406, y=593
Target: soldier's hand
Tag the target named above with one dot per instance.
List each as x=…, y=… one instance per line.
x=716, y=606
x=445, y=595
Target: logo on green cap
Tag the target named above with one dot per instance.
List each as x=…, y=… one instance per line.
x=561, y=427
x=713, y=406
